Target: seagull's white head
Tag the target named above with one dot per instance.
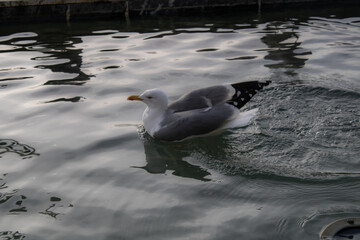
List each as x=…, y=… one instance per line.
x=153, y=98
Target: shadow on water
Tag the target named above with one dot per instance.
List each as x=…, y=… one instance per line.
x=282, y=38
x=20, y=201
x=10, y=235
x=7, y=195
x=63, y=47
x=12, y=146
x=25, y=152
x=59, y=51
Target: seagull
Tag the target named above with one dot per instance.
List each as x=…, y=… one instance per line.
x=201, y=112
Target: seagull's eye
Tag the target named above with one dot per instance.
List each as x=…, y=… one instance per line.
x=149, y=97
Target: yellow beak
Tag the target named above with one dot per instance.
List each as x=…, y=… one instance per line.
x=134, y=97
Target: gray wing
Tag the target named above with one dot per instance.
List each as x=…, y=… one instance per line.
x=202, y=98
x=195, y=122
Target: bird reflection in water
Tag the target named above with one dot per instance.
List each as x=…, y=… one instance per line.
x=164, y=156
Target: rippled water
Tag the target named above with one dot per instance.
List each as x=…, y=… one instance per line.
x=76, y=164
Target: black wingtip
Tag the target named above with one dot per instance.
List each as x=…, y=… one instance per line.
x=267, y=82
x=245, y=91
x=251, y=84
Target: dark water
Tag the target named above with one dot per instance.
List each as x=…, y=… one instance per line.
x=76, y=164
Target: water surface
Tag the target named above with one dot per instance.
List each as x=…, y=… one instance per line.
x=76, y=163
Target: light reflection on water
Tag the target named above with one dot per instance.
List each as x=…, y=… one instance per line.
x=74, y=166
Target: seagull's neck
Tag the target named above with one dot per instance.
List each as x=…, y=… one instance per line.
x=152, y=118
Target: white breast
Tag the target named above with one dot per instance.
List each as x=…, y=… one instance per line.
x=152, y=119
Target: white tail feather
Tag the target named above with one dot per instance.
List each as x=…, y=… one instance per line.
x=242, y=120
